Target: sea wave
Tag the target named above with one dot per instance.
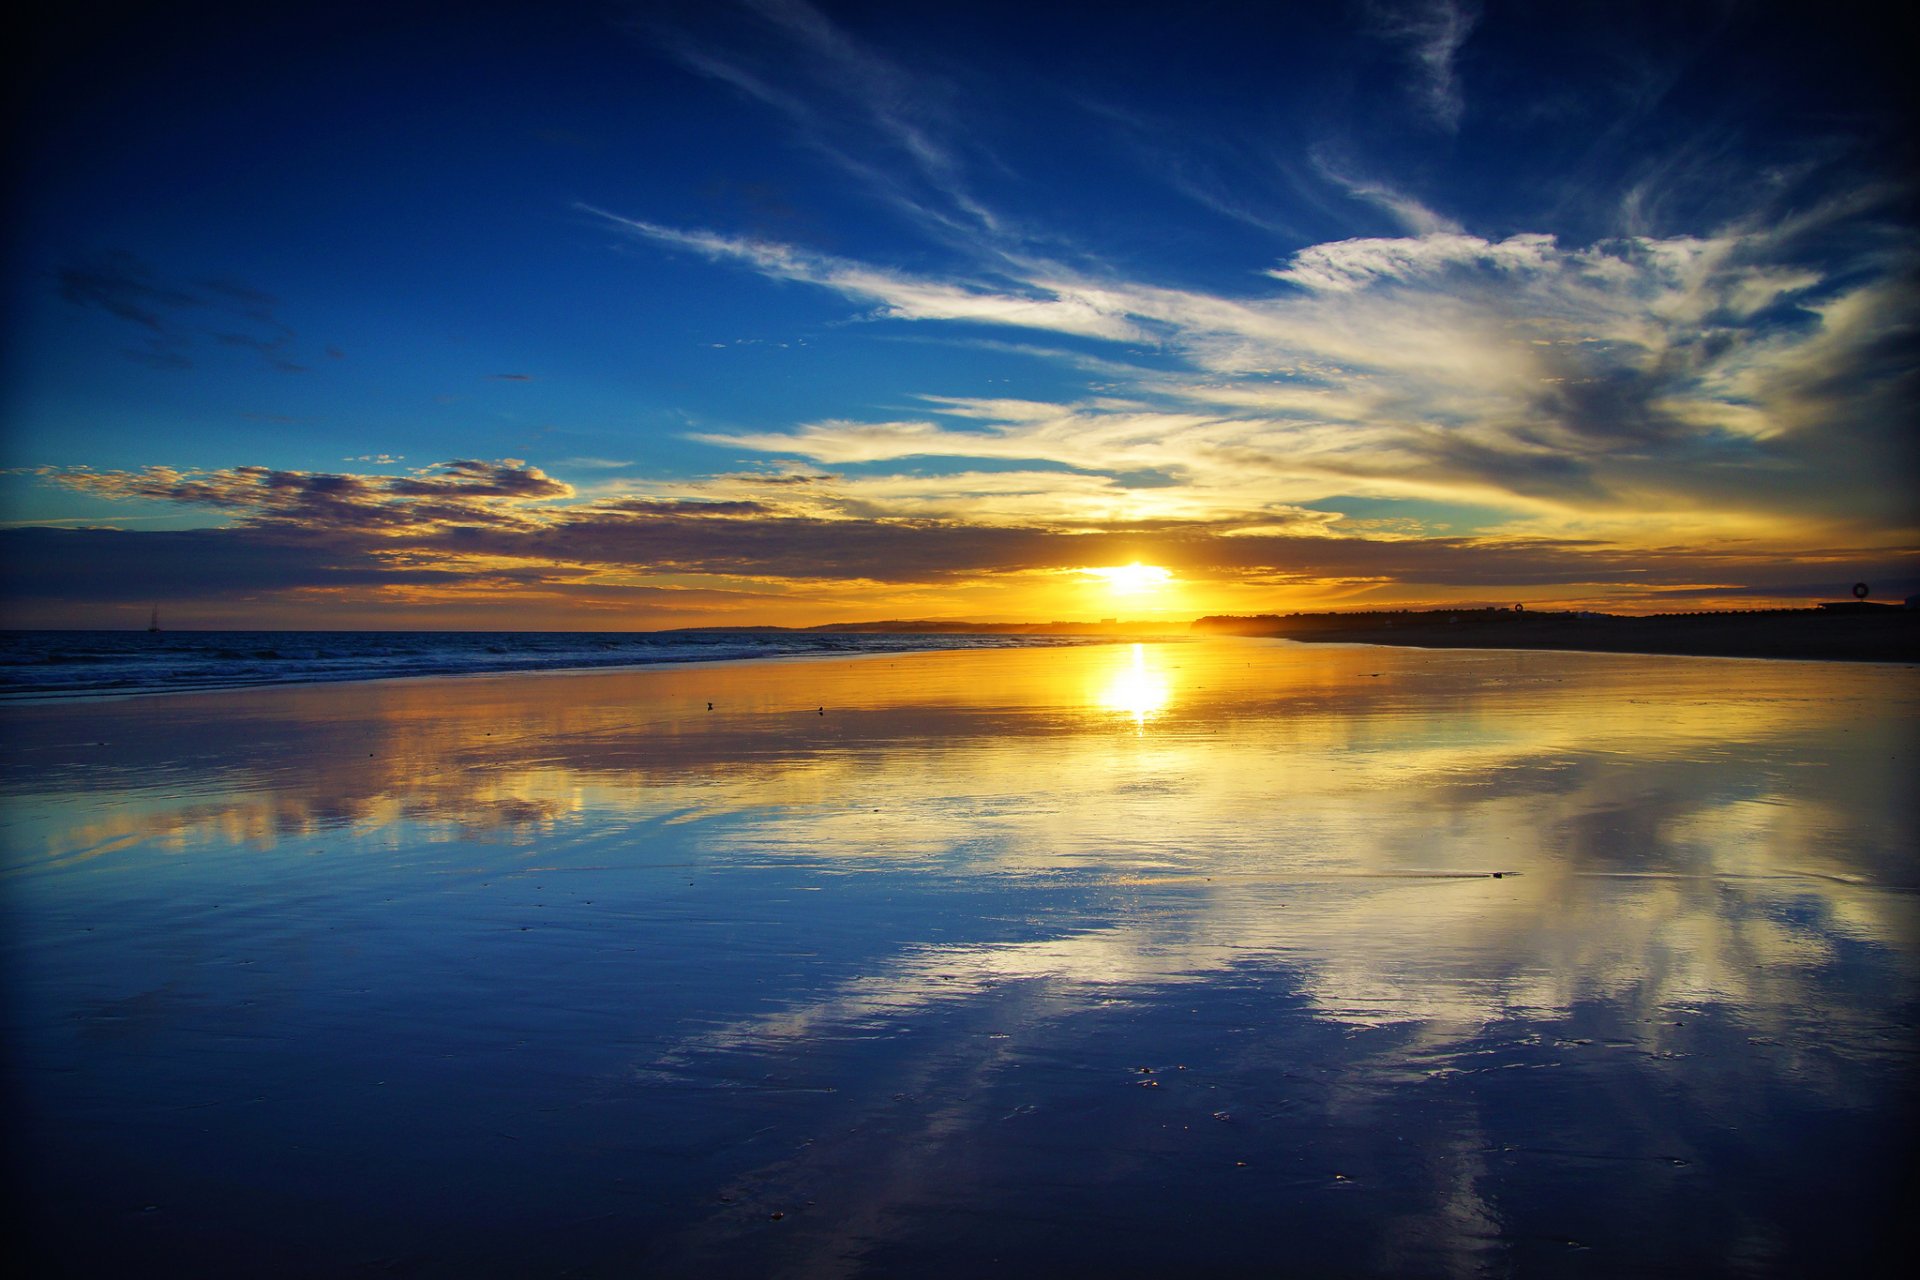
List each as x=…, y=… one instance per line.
x=44, y=665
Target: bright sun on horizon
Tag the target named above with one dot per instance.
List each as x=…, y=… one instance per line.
x=1134, y=579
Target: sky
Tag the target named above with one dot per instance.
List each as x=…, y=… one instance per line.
x=611, y=316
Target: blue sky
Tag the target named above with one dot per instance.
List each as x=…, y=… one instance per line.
x=664, y=314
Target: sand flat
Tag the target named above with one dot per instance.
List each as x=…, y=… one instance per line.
x=1224, y=956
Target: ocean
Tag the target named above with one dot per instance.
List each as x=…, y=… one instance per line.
x=41, y=665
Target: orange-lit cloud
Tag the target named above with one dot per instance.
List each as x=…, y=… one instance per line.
x=505, y=537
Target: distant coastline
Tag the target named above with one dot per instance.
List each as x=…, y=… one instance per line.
x=940, y=626
x=1843, y=631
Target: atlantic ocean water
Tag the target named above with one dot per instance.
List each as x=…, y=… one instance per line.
x=41, y=665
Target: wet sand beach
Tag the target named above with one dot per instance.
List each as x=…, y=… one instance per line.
x=1224, y=957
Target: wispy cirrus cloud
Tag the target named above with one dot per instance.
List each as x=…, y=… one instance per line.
x=1633, y=381
x=1055, y=306
x=1413, y=216
x=892, y=129
x=1664, y=380
x=1432, y=32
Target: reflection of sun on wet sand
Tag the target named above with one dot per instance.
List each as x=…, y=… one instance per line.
x=1426, y=957
x=1136, y=687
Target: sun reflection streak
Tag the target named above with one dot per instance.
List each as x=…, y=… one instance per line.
x=1138, y=689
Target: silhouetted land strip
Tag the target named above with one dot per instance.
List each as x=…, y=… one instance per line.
x=949, y=627
x=916, y=626
x=1847, y=632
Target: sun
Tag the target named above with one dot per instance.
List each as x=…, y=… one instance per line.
x=1134, y=579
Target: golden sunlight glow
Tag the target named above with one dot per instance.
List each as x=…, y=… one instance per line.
x=1133, y=579
x=1136, y=687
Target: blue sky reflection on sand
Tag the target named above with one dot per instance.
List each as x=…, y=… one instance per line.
x=1134, y=957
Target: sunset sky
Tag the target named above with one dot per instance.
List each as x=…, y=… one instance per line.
x=657, y=314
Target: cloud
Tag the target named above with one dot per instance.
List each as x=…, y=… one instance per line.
x=844, y=441
x=122, y=285
x=885, y=124
x=821, y=527
x=176, y=317
x=470, y=478
x=1432, y=32
x=1054, y=306
x=1412, y=214
x=595, y=464
x=626, y=546
x=463, y=491
x=87, y=565
x=270, y=350
x=1669, y=376
x=1199, y=494
x=1350, y=265
x=1705, y=343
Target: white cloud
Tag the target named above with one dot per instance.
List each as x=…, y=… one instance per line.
x=993, y=410
x=1347, y=265
x=1057, y=308
x=842, y=442
x=1666, y=375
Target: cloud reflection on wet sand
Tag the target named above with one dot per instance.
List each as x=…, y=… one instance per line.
x=977, y=871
